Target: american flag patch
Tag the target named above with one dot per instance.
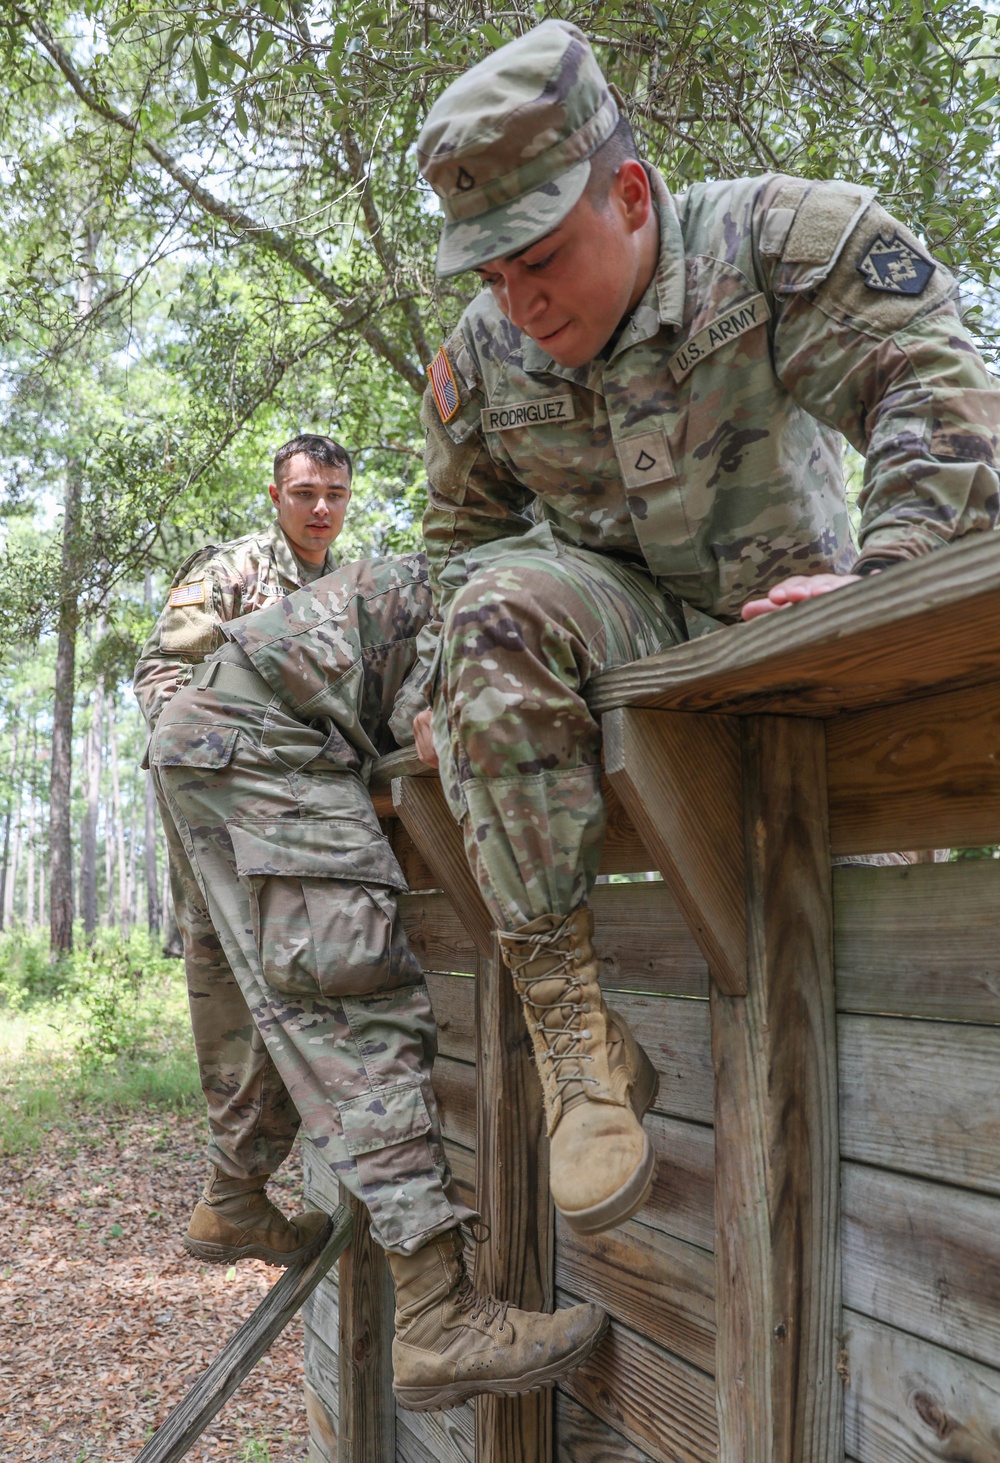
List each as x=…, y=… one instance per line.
x=188, y=594
x=443, y=385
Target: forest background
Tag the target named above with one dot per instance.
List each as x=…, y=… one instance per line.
x=215, y=237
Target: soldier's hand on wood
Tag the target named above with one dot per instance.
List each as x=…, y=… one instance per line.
x=424, y=738
x=794, y=590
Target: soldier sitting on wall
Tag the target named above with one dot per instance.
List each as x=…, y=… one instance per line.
x=252, y=1121
x=635, y=432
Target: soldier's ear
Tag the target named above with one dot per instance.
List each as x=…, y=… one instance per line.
x=274, y=495
x=632, y=191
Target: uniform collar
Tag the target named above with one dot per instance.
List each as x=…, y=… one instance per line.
x=285, y=561
x=662, y=304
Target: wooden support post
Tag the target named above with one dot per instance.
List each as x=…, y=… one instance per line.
x=420, y=804
x=517, y=1261
x=678, y=777
x=367, y=1430
x=777, y=1250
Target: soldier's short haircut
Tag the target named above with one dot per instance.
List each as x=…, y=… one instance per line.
x=606, y=161
x=320, y=449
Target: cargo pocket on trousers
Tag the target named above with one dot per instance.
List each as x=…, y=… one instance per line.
x=321, y=936
x=386, y=1133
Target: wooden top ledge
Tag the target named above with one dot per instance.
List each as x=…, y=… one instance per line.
x=932, y=624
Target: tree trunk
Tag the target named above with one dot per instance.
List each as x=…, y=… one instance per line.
x=8, y=821
x=29, y=886
x=116, y=809
x=153, y=916
x=88, y=825
x=61, y=781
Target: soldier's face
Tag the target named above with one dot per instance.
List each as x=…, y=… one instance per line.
x=311, y=500
x=570, y=290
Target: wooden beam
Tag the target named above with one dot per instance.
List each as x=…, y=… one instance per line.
x=931, y=623
x=679, y=779
x=925, y=774
x=367, y=1429
x=516, y=1262
x=189, y=1419
x=420, y=803
x=776, y=1139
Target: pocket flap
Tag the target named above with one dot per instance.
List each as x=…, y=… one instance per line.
x=384, y=1117
x=192, y=744
x=315, y=848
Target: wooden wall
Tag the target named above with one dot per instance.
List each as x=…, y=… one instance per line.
x=918, y=1027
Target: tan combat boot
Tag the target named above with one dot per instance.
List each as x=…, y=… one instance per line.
x=453, y=1343
x=596, y=1078
x=235, y=1220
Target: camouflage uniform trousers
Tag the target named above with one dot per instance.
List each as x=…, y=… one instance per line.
x=300, y=884
x=520, y=752
x=252, y=1121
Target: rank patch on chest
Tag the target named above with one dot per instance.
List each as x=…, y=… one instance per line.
x=188, y=594
x=644, y=459
x=529, y=413
x=719, y=332
x=443, y=385
x=895, y=267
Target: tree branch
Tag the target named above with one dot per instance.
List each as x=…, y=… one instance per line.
x=351, y=315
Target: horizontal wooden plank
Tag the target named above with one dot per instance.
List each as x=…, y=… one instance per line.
x=925, y=774
x=933, y=622
x=436, y=934
x=658, y=1402
x=454, y=1000
x=920, y=940
x=911, y=1402
x=660, y=1287
x=923, y=1097
x=580, y=1437
x=321, y=1314
x=924, y=1258
x=415, y=870
x=321, y=1186
x=455, y=1087
x=436, y=1437
x=323, y=1424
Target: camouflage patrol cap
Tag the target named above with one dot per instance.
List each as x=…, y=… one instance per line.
x=507, y=146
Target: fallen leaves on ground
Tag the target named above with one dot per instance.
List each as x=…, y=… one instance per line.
x=106, y=1321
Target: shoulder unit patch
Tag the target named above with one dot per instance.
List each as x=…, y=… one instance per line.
x=895, y=267
x=444, y=385
x=188, y=594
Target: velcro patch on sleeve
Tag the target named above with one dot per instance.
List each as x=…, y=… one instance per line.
x=443, y=385
x=188, y=594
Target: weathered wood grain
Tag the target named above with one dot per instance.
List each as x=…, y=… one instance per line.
x=418, y=875
x=919, y=941
x=516, y=1261
x=455, y=1088
x=583, y=1438
x=657, y=1285
x=924, y=774
x=419, y=802
x=922, y=1097
x=322, y=1397
x=934, y=622
x=923, y=1257
x=911, y=1402
x=367, y=1412
x=187, y=1421
x=436, y=1437
x=777, y=1245
x=454, y=1000
x=322, y=1424
x=679, y=779
x=642, y=940
x=661, y=1404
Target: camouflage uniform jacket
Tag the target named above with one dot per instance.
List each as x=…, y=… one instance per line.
x=703, y=443
x=215, y=584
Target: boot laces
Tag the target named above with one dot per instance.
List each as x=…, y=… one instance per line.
x=480, y=1305
x=573, y=1032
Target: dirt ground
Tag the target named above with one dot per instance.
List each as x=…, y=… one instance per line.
x=105, y=1321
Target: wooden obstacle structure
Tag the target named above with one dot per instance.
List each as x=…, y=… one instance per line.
x=816, y=1276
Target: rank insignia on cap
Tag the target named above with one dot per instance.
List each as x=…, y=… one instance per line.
x=188, y=594
x=443, y=385
x=895, y=267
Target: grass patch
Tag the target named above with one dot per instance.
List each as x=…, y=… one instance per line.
x=106, y=1030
